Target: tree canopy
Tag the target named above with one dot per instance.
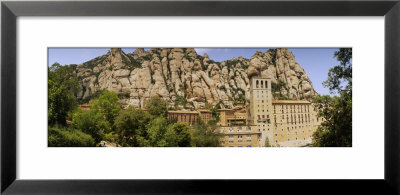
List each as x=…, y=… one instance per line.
x=340, y=76
x=156, y=106
x=130, y=124
x=138, y=128
x=92, y=123
x=61, y=137
x=62, y=86
x=336, y=131
x=108, y=104
x=204, y=135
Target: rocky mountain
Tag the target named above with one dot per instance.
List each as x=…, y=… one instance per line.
x=188, y=80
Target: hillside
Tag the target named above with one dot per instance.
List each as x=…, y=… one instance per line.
x=188, y=80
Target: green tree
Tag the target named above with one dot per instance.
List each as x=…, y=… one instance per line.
x=162, y=134
x=178, y=134
x=156, y=133
x=336, y=131
x=64, y=75
x=130, y=124
x=92, y=123
x=204, y=135
x=340, y=76
x=62, y=87
x=62, y=137
x=156, y=106
x=108, y=104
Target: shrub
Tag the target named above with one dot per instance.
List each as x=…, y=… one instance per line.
x=62, y=137
x=92, y=123
x=108, y=104
x=156, y=106
x=130, y=124
x=204, y=135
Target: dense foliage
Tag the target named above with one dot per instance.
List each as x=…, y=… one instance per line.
x=156, y=106
x=108, y=105
x=107, y=121
x=137, y=127
x=336, y=131
x=131, y=124
x=204, y=135
x=92, y=123
x=62, y=137
x=62, y=85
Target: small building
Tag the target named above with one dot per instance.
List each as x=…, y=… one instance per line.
x=235, y=116
x=239, y=136
x=205, y=115
x=224, y=115
x=188, y=117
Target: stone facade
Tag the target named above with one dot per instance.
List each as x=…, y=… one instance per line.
x=188, y=117
x=294, y=121
x=205, y=115
x=261, y=107
x=269, y=122
x=239, y=136
x=281, y=122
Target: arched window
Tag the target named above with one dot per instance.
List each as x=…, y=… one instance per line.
x=256, y=83
x=262, y=84
x=266, y=84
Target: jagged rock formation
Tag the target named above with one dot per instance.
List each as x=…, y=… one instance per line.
x=188, y=80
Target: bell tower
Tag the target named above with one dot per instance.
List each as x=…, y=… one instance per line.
x=260, y=112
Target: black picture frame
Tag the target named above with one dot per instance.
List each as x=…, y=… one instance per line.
x=10, y=10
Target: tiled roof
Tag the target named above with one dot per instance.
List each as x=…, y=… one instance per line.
x=290, y=102
x=204, y=110
x=183, y=111
x=224, y=109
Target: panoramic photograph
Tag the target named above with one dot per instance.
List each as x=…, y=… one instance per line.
x=199, y=97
